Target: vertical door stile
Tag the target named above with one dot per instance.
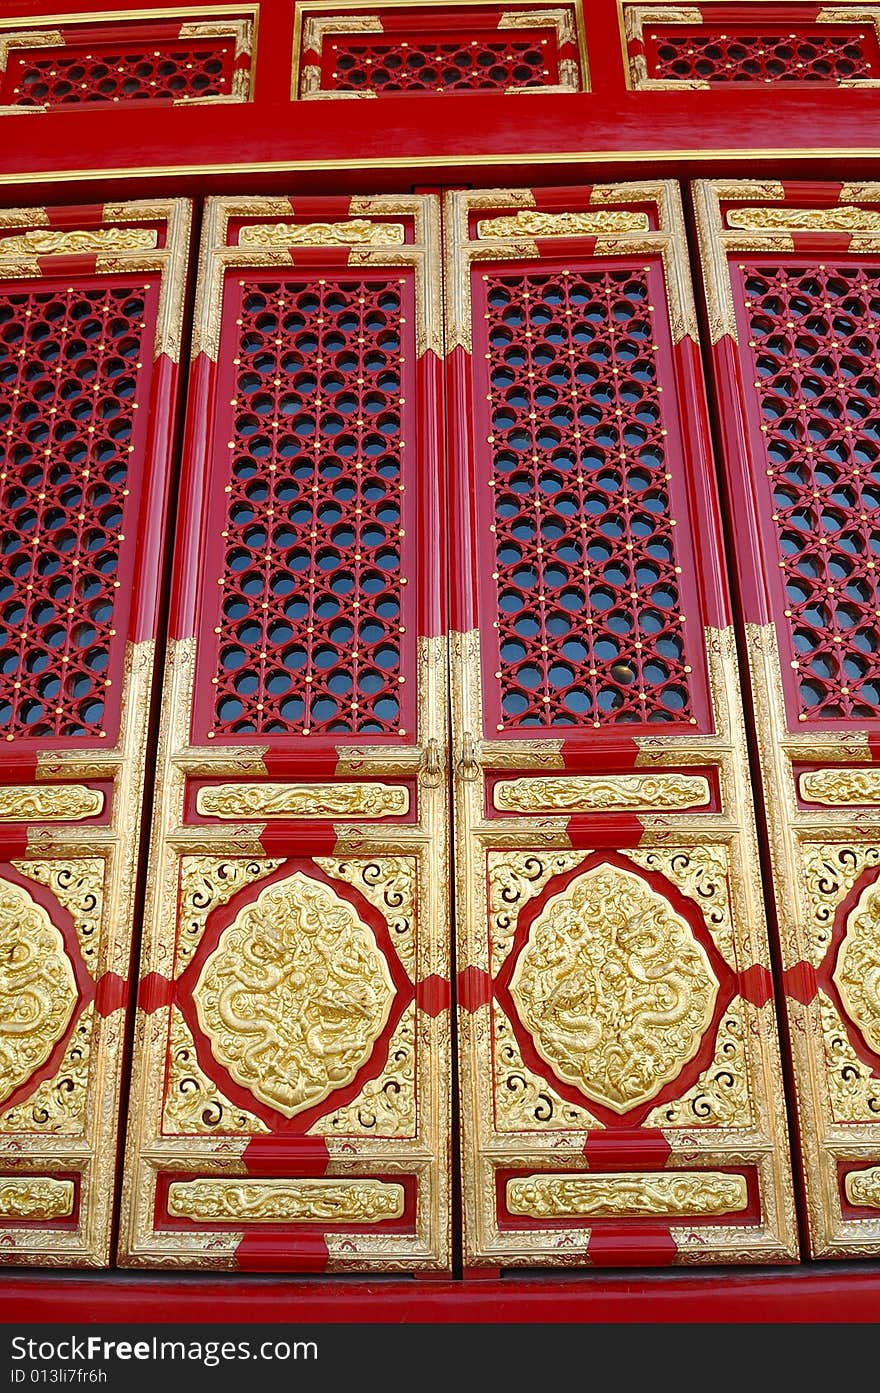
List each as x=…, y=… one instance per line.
x=621, y=1090
x=290, y=1090
x=792, y=281
x=91, y=308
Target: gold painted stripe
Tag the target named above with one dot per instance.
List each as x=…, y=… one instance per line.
x=303, y=800
x=840, y=219
x=288, y=1201
x=595, y=793
x=63, y=803
x=863, y=1187
x=529, y=222
x=36, y=1197
x=666, y=1192
x=844, y=787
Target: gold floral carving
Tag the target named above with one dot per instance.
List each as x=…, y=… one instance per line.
x=844, y=218
x=64, y=803
x=57, y=1106
x=38, y=1198
x=386, y=1107
x=853, y=1090
x=830, y=871
x=857, y=974
x=193, y=1104
x=863, y=1187
x=528, y=222
x=274, y=1201
x=390, y=883
x=618, y=1193
x=79, y=886
x=303, y=800
x=523, y=1100
x=295, y=994
x=702, y=873
x=843, y=786
x=37, y=987
x=589, y=792
x=205, y=883
x=53, y=242
x=515, y=877
x=355, y=232
x=720, y=1097
x=613, y=987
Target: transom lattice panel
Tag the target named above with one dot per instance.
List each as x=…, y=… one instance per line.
x=792, y=290
x=752, y=45
x=290, y=1097
x=383, y=50
x=615, y=1008
x=90, y=313
x=155, y=56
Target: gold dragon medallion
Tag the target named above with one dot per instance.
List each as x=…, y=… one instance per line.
x=857, y=974
x=613, y=988
x=295, y=994
x=37, y=987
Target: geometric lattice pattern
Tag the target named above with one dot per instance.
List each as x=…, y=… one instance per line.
x=140, y=72
x=815, y=339
x=427, y=64
x=589, y=617
x=726, y=54
x=311, y=588
x=69, y=366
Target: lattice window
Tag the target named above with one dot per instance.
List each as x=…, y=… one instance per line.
x=590, y=627
x=728, y=43
x=814, y=348
x=466, y=49
x=70, y=361
x=312, y=580
x=84, y=64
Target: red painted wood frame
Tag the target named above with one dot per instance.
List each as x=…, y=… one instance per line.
x=601, y=773
x=91, y=309
x=791, y=277
x=306, y=683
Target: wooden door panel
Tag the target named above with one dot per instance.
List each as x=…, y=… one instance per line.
x=91, y=302
x=791, y=274
x=620, y=1079
x=290, y=1092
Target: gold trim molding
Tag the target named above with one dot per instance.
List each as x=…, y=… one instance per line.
x=593, y=792
x=286, y=1201
x=365, y=800
x=38, y=1198
x=625, y=1193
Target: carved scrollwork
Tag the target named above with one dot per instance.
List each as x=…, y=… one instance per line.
x=863, y=1187
x=720, y=1097
x=54, y=242
x=38, y=1198
x=57, y=1105
x=386, y=1107
x=830, y=871
x=354, y=232
x=64, y=803
x=844, y=218
x=274, y=1201
x=589, y=792
x=295, y=994
x=857, y=973
x=702, y=873
x=303, y=800
x=193, y=1104
x=205, y=883
x=613, y=987
x=841, y=786
x=515, y=877
x=37, y=987
x=523, y=1100
x=390, y=884
x=669, y=1192
x=528, y=222
x=853, y=1090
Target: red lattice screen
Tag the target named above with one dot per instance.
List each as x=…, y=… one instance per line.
x=312, y=579
x=814, y=350
x=590, y=623
x=71, y=358
x=739, y=53
x=460, y=50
